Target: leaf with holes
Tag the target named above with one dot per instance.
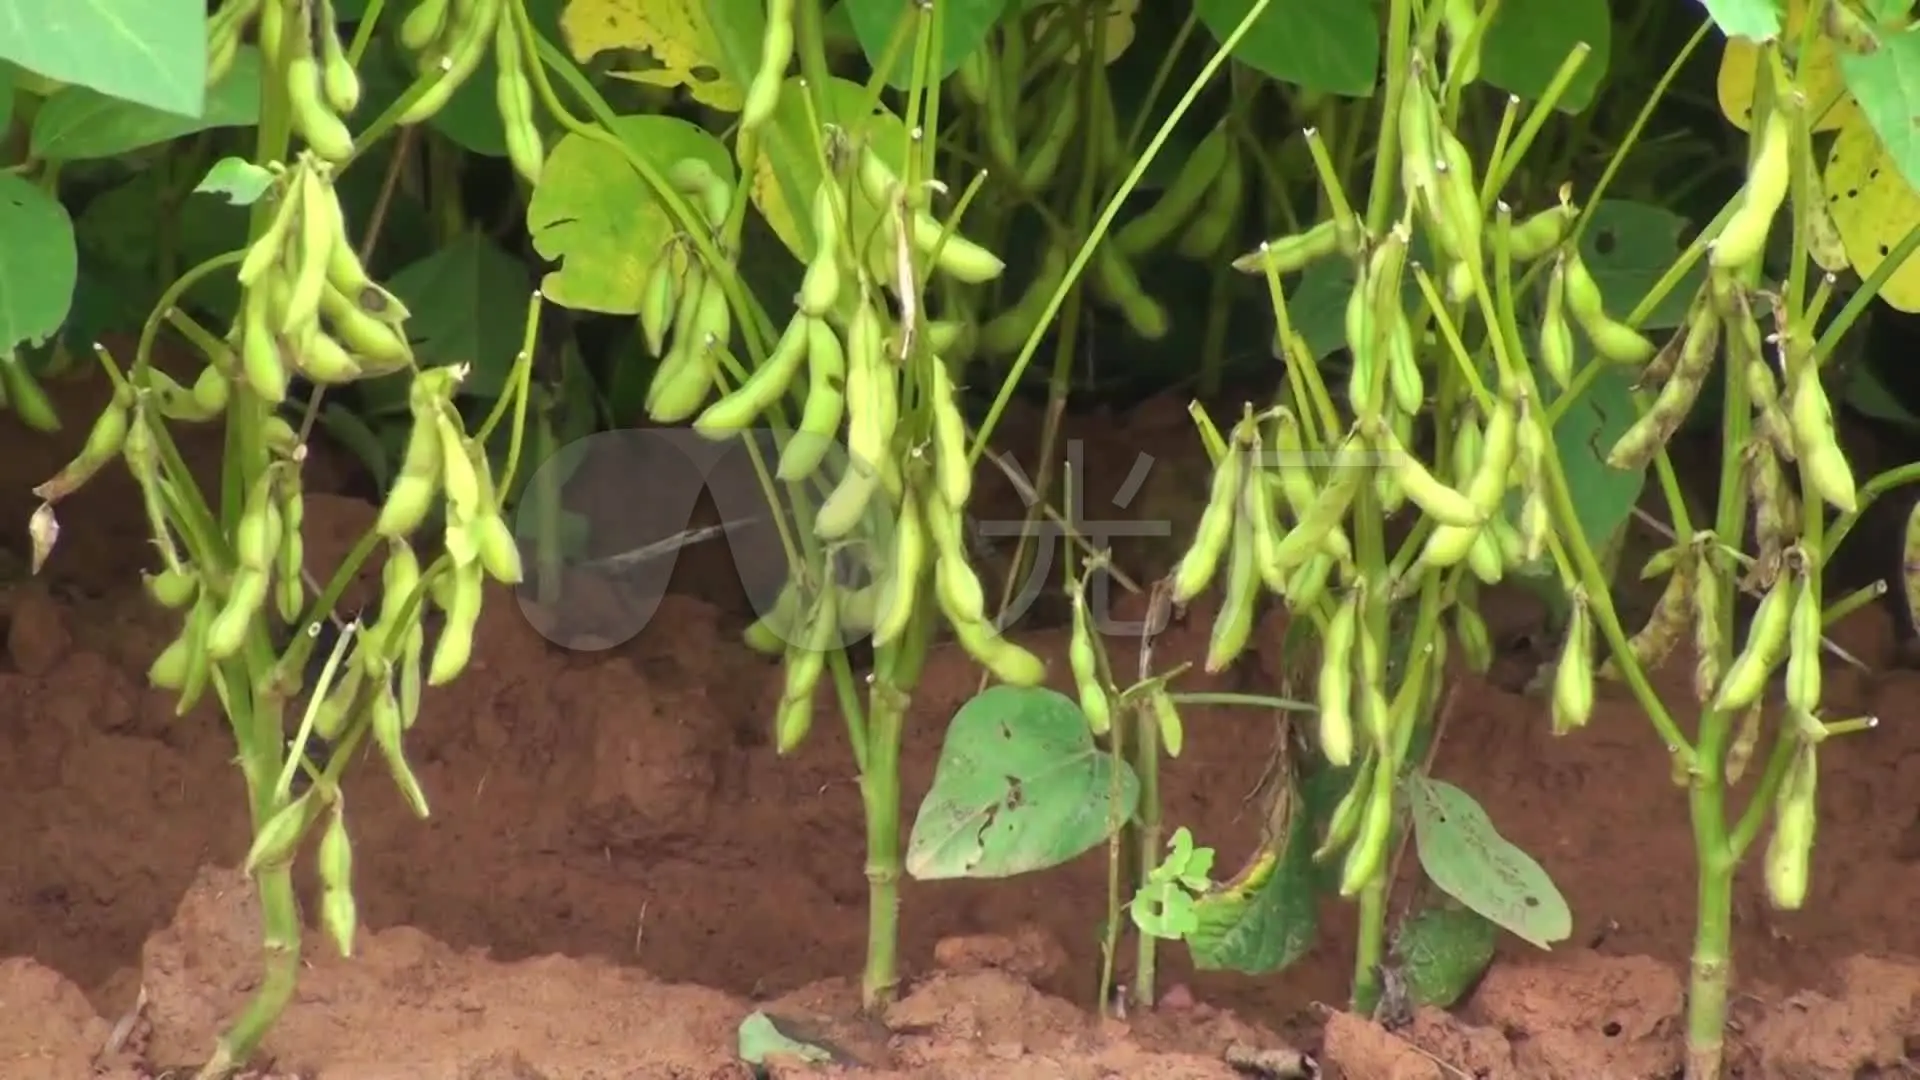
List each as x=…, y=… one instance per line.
x=1629, y=246
x=1020, y=787
x=1873, y=205
x=240, y=180
x=596, y=217
x=1470, y=861
x=1163, y=907
x=711, y=47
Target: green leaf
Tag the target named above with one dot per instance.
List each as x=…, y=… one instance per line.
x=1466, y=858
x=80, y=123
x=120, y=229
x=1629, y=246
x=39, y=264
x=469, y=303
x=788, y=171
x=1164, y=910
x=1867, y=393
x=600, y=221
x=1584, y=434
x=965, y=26
x=240, y=180
x=571, y=531
x=1163, y=907
x=1318, y=302
x=1268, y=917
x=1443, y=950
x=471, y=118
x=1886, y=84
x=6, y=96
x=1332, y=46
x=1020, y=787
x=103, y=304
x=1530, y=39
x=759, y=1039
x=1756, y=20
x=350, y=431
x=153, y=52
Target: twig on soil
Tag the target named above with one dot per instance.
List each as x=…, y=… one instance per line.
x=123, y=1028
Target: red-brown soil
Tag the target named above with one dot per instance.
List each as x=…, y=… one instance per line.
x=618, y=868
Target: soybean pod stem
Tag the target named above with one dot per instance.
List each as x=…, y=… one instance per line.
x=518, y=385
x=363, y=32
x=1381, y=198
x=1869, y=289
x=1537, y=115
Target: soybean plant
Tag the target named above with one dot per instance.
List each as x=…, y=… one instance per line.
x=308, y=307
x=1502, y=500
x=235, y=566
x=882, y=525
x=1312, y=532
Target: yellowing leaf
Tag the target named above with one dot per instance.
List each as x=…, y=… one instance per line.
x=1873, y=205
x=1818, y=75
x=593, y=214
x=711, y=48
x=788, y=170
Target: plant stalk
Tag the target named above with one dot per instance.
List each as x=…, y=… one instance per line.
x=280, y=944
x=254, y=717
x=1712, y=938
x=880, y=798
x=1146, y=765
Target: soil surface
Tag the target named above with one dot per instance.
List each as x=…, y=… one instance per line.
x=618, y=869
